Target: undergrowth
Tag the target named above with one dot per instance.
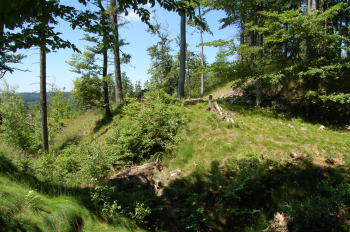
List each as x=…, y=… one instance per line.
x=235, y=176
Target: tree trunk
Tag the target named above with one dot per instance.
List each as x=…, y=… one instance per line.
x=105, y=60
x=286, y=43
x=259, y=82
x=181, y=84
x=117, y=72
x=105, y=84
x=202, y=57
x=347, y=43
x=310, y=53
x=241, y=37
x=43, y=102
x=189, y=85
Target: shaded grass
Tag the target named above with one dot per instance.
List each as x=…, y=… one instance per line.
x=29, y=204
x=246, y=192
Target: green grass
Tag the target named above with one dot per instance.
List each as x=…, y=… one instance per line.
x=28, y=204
x=235, y=176
x=257, y=131
x=212, y=153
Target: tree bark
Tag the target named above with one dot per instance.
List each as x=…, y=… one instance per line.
x=43, y=102
x=117, y=71
x=241, y=37
x=105, y=60
x=181, y=84
x=202, y=56
x=348, y=37
x=105, y=84
x=259, y=82
x=311, y=83
x=286, y=43
x=189, y=85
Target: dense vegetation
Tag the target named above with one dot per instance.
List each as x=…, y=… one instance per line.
x=122, y=158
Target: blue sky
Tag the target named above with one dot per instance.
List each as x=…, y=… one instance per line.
x=134, y=33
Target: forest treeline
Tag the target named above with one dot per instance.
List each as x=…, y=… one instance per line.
x=298, y=50
x=35, y=97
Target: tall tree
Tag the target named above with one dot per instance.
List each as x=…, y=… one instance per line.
x=162, y=63
x=117, y=71
x=181, y=83
x=34, y=17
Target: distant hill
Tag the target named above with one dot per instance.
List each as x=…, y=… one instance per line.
x=33, y=98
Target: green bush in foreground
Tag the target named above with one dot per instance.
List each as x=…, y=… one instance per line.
x=148, y=129
x=325, y=211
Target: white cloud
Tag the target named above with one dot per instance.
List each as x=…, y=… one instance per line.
x=132, y=17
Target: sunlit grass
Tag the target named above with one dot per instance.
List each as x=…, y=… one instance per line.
x=259, y=131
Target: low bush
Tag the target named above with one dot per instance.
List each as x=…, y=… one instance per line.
x=324, y=211
x=148, y=129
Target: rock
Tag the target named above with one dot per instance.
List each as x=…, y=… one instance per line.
x=279, y=223
x=291, y=126
x=293, y=155
x=322, y=127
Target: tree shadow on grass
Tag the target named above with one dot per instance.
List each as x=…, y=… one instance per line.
x=326, y=117
x=245, y=193
x=105, y=121
x=12, y=172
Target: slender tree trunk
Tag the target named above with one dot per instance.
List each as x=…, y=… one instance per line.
x=43, y=102
x=181, y=84
x=241, y=36
x=189, y=87
x=105, y=60
x=105, y=84
x=310, y=53
x=202, y=57
x=259, y=84
x=117, y=71
x=286, y=43
x=347, y=43
x=252, y=44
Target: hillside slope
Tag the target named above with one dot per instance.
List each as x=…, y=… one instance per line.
x=221, y=176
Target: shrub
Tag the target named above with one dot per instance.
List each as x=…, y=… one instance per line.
x=148, y=129
x=13, y=110
x=325, y=211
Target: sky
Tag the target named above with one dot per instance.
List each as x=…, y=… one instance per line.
x=134, y=33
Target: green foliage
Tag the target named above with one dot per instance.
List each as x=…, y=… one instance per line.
x=327, y=210
x=86, y=163
x=140, y=212
x=88, y=90
x=34, y=201
x=148, y=129
x=100, y=196
x=13, y=110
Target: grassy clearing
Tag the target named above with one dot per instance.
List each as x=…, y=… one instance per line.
x=90, y=127
x=257, y=131
x=236, y=176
